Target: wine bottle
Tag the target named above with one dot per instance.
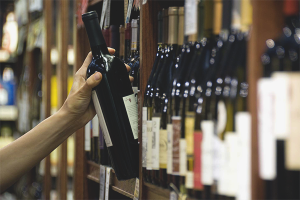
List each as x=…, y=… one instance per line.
x=127, y=42
x=147, y=109
x=114, y=39
x=114, y=102
x=104, y=158
x=122, y=43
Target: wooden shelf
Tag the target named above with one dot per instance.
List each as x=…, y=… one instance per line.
x=125, y=188
x=93, y=2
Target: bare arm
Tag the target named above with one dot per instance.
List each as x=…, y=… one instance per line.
x=24, y=153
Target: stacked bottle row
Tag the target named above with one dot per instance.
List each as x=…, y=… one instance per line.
x=278, y=103
x=196, y=128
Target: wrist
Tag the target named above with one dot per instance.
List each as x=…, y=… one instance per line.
x=69, y=121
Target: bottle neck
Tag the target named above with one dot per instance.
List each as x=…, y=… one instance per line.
x=99, y=50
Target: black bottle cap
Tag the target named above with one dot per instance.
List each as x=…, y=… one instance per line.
x=93, y=29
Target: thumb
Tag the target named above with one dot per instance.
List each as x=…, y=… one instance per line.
x=93, y=81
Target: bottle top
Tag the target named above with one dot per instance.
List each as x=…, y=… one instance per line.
x=218, y=5
x=93, y=29
x=180, y=26
x=128, y=31
x=173, y=25
x=246, y=15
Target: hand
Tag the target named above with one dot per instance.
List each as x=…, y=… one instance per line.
x=78, y=104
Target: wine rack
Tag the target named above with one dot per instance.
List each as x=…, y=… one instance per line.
x=267, y=23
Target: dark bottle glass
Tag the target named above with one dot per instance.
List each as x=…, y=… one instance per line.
x=109, y=98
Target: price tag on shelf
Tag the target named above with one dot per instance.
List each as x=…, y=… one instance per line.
x=102, y=182
x=137, y=189
x=173, y=195
x=107, y=181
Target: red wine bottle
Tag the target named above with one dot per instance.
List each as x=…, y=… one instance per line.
x=114, y=102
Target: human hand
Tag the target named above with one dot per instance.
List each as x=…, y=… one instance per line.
x=78, y=104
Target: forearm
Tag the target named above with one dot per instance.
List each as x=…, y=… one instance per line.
x=24, y=153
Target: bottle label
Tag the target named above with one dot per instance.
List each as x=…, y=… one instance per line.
x=170, y=149
x=176, y=121
x=189, y=132
x=155, y=142
x=197, y=159
x=231, y=160
x=216, y=157
x=102, y=182
x=243, y=130
x=135, y=92
x=207, y=127
x=266, y=137
x=163, y=154
x=182, y=157
x=144, y=137
x=101, y=119
x=87, y=136
x=149, y=145
x=95, y=122
x=293, y=141
x=189, y=180
x=222, y=182
x=190, y=7
x=132, y=113
x=281, y=81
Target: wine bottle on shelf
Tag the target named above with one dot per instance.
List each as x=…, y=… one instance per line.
x=122, y=42
x=115, y=39
x=106, y=35
x=147, y=109
x=127, y=42
x=165, y=13
x=113, y=101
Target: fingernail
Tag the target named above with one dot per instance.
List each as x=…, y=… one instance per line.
x=97, y=76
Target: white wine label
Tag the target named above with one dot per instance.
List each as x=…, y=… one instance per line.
x=266, y=137
x=149, y=145
x=170, y=149
x=222, y=182
x=107, y=182
x=87, y=136
x=182, y=157
x=104, y=7
x=190, y=17
x=144, y=137
x=102, y=182
x=136, y=189
x=189, y=180
x=133, y=34
x=95, y=122
x=243, y=130
x=216, y=157
x=155, y=142
x=231, y=140
x=189, y=132
x=292, y=148
x=101, y=119
x=236, y=15
x=207, y=127
x=132, y=113
x=222, y=117
x=176, y=122
x=281, y=81
x=163, y=149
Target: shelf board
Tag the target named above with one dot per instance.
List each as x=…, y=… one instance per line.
x=154, y=192
x=125, y=188
x=93, y=2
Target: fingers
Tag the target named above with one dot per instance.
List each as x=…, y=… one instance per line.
x=111, y=50
x=131, y=79
x=92, y=81
x=127, y=67
x=83, y=68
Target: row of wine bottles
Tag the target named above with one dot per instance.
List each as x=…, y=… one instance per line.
x=278, y=103
x=196, y=128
